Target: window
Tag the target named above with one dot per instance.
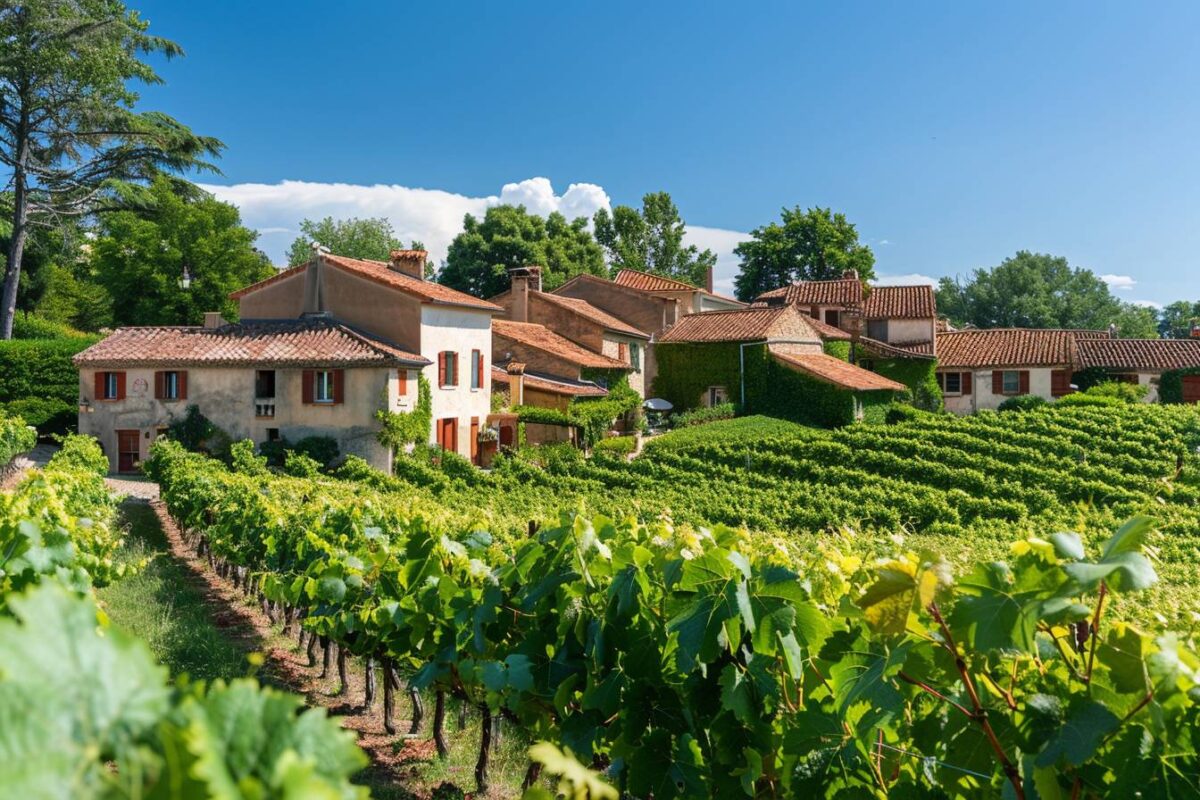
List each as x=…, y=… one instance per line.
x=401, y=382
x=635, y=355
x=170, y=385
x=110, y=386
x=953, y=383
x=272, y=434
x=877, y=329
x=1011, y=382
x=264, y=384
x=717, y=395
x=447, y=368
x=476, y=369
x=323, y=388
x=833, y=317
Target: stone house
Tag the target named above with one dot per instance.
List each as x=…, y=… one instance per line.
x=320, y=349
x=1145, y=362
x=544, y=354
x=577, y=320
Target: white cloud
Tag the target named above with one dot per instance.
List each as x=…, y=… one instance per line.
x=1121, y=283
x=884, y=241
x=910, y=279
x=432, y=216
x=1147, y=304
x=721, y=242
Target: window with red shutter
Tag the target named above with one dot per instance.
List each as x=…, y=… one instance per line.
x=100, y=379
x=402, y=382
x=1023, y=382
x=442, y=368
x=997, y=381
x=966, y=383
x=160, y=385
x=476, y=369
x=120, y=386
x=307, y=382
x=339, y=385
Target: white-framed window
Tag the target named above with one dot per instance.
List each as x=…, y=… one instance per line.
x=717, y=395
x=170, y=385
x=323, y=386
x=1011, y=381
x=111, y=390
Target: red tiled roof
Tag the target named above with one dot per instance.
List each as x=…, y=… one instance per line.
x=644, y=281
x=1010, y=347
x=1139, y=355
x=315, y=342
x=276, y=278
x=840, y=373
x=827, y=331
x=841, y=292
x=900, y=302
x=381, y=272
x=898, y=350
x=542, y=338
x=588, y=311
x=742, y=325
x=552, y=384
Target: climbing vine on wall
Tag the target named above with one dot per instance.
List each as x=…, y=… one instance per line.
x=1170, y=386
x=399, y=428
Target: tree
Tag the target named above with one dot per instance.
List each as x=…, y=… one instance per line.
x=651, y=240
x=372, y=238
x=812, y=245
x=68, y=131
x=140, y=259
x=508, y=236
x=1175, y=320
x=1035, y=290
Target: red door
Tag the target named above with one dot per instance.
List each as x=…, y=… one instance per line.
x=448, y=434
x=1191, y=388
x=474, y=440
x=128, y=454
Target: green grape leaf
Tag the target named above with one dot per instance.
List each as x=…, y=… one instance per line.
x=994, y=617
x=1068, y=545
x=1076, y=741
x=1124, y=652
x=889, y=600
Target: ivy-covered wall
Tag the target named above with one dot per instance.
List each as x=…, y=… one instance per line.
x=918, y=374
x=1170, y=386
x=685, y=371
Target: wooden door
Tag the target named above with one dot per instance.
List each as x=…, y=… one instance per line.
x=1191, y=388
x=128, y=453
x=506, y=435
x=449, y=434
x=474, y=440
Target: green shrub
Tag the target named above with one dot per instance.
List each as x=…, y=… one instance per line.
x=620, y=445
x=31, y=326
x=1024, y=402
x=39, y=368
x=1120, y=391
x=243, y=460
x=700, y=416
x=80, y=452
x=15, y=438
x=897, y=413
x=197, y=433
x=51, y=416
x=322, y=449
x=1088, y=399
x=301, y=466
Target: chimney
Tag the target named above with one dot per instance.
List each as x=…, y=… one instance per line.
x=850, y=275
x=1112, y=331
x=708, y=279
x=524, y=280
x=312, y=280
x=409, y=262
x=214, y=320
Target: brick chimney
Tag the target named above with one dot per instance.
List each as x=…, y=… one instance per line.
x=516, y=383
x=524, y=280
x=409, y=262
x=708, y=279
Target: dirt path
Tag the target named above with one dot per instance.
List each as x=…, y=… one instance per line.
x=395, y=761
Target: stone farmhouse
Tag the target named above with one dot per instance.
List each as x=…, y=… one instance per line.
x=320, y=348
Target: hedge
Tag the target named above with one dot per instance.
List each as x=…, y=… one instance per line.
x=40, y=368
x=1170, y=385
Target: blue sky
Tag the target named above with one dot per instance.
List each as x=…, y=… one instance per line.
x=951, y=134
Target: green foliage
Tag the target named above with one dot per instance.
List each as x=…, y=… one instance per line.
x=1120, y=391
x=918, y=374
x=812, y=245
x=74, y=298
x=16, y=437
x=704, y=415
x=1176, y=319
x=51, y=417
x=68, y=93
x=79, y=452
x=373, y=239
x=1170, y=386
x=197, y=432
x=1086, y=378
x=300, y=465
x=710, y=663
x=507, y=237
x=139, y=258
x=1036, y=290
x=650, y=239
x=617, y=445
x=400, y=428
x=243, y=459
x=1024, y=402
x=731, y=431
x=542, y=416
x=33, y=326
x=40, y=369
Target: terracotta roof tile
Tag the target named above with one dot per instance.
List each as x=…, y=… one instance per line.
x=896, y=350
x=833, y=370
x=900, y=302
x=552, y=384
x=1141, y=355
x=276, y=278
x=381, y=272
x=304, y=342
x=743, y=325
x=1010, y=347
x=539, y=337
x=827, y=331
x=644, y=281
x=588, y=311
x=841, y=292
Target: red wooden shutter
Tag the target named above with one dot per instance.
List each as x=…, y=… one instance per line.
x=966, y=383
x=454, y=372
x=1024, y=381
x=442, y=368
x=308, y=377
x=481, y=370
x=339, y=385
x=402, y=381
x=120, y=385
x=160, y=385
x=100, y=385
x=182, y=384
x=997, y=382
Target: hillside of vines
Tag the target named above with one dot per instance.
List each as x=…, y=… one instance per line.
x=692, y=661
